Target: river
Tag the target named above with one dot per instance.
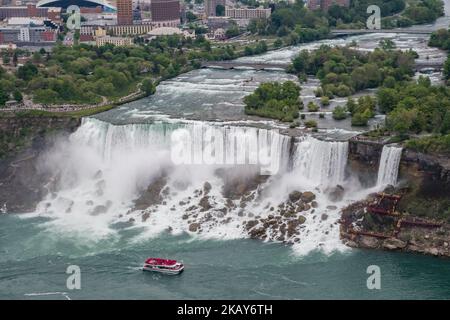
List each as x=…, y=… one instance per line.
x=87, y=218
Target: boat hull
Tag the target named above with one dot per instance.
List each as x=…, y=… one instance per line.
x=163, y=271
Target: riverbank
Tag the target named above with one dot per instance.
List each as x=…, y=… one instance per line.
x=23, y=139
x=412, y=216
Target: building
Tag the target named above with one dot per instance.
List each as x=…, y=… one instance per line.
x=326, y=4
x=218, y=34
x=247, y=13
x=214, y=23
x=124, y=12
x=64, y=4
x=167, y=31
x=314, y=4
x=211, y=6
x=166, y=12
x=116, y=30
x=27, y=35
x=30, y=11
x=117, y=41
x=9, y=46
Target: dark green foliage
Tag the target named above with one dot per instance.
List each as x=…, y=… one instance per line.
x=339, y=113
x=416, y=107
x=344, y=71
x=84, y=74
x=293, y=21
x=274, y=100
x=357, y=13
x=3, y=97
x=148, y=87
x=437, y=143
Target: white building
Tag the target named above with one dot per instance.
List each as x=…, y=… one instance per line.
x=247, y=13
x=117, y=41
x=24, y=35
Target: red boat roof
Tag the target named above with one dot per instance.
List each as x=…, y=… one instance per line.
x=161, y=262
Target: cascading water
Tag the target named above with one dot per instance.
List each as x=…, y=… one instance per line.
x=389, y=164
x=322, y=162
x=103, y=168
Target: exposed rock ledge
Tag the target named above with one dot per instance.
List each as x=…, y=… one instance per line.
x=22, y=140
x=365, y=154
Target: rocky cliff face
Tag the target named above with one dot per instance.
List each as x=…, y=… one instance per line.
x=424, y=186
x=17, y=132
x=22, y=140
x=365, y=153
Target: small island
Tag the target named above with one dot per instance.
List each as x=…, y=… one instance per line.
x=275, y=100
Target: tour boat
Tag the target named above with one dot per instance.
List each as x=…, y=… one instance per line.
x=163, y=266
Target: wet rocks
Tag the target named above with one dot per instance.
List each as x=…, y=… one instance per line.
x=151, y=196
x=204, y=204
x=250, y=224
x=258, y=233
x=308, y=196
x=301, y=219
x=295, y=196
x=335, y=194
x=206, y=188
x=194, y=227
x=100, y=209
x=369, y=242
x=145, y=216
x=393, y=244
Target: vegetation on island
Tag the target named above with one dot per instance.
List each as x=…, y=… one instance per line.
x=274, y=100
x=394, y=13
x=419, y=110
x=295, y=23
x=344, y=71
x=441, y=39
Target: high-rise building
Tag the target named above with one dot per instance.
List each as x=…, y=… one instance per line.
x=165, y=10
x=124, y=12
x=211, y=5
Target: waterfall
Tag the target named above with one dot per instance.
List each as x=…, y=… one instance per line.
x=103, y=168
x=196, y=143
x=389, y=164
x=322, y=162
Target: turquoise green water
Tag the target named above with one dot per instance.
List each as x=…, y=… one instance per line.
x=34, y=260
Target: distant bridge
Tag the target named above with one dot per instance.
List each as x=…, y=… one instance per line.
x=232, y=64
x=227, y=65
x=344, y=32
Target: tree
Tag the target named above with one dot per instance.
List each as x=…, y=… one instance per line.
x=27, y=71
x=148, y=87
x=3, y=97
x=387, y=99
x=190, y=16
x=401, y=120
x=278, y=43
x=220, y=10
x=339, y=113
x=17, y=96
x=233, y=31
x=360, y=119
x=447, y=68
x=387, y=44
x=312, y=107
